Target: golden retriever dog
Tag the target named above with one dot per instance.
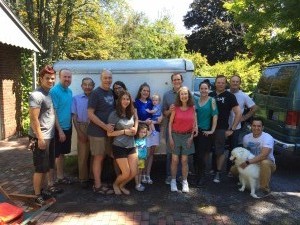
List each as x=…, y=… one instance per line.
x=249, y=177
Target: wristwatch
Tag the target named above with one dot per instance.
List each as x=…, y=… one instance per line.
x=247, y=162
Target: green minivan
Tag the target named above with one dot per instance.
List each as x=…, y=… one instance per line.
x=278, y=97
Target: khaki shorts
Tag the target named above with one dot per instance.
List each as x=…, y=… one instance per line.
x=100, y=145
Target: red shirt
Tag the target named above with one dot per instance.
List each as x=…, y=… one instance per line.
x=184, y=120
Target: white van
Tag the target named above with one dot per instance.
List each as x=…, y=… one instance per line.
x=156, y=72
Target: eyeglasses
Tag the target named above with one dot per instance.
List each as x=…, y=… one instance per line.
x=87, y=85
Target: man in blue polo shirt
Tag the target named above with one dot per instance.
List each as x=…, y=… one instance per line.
x=62, y=100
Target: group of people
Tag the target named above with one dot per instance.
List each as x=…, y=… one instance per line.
x=111, y=123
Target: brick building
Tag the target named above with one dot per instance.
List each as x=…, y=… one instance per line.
x=14, y=38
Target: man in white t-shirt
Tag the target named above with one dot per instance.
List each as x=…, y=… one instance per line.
x=244, y=101
x=261, y=144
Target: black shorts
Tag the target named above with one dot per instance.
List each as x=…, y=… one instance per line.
x=203, y=143
x=219, y=139
x=63, y=147
x=120, y=152
x=43, y=159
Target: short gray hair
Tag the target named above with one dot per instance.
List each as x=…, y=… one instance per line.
x=106, y=71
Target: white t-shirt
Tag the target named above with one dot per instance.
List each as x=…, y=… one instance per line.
x=255, y=145
x=243, y=100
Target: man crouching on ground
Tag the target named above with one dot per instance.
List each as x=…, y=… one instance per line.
x=261, y=145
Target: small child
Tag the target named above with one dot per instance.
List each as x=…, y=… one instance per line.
x=141, y=146
x=156, y=112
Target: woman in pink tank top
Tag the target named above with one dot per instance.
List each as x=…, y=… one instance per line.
x=182, y=130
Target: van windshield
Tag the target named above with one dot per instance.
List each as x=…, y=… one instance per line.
x=276, y=81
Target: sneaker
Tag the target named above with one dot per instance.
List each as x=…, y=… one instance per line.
x=261, y=193
x=174, y=186
x=168, y=180
x=185, y=187
x=217, y=178
x=144, y=180
x=139, y=187
x=149, y=181
x=39, y=200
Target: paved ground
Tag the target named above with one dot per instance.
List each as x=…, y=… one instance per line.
x=214, y=204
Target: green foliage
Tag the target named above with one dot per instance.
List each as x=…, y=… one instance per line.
x=243, y=66
x=26, y=88
x=273, y=27
x=214, y=31
x=102, y=37
x=90, y=40
x=156, y=40
x=199, y=61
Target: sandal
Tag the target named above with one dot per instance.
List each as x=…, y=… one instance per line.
x=103, y=190
x=64, y=180
x=46, y=194
x=55, y=190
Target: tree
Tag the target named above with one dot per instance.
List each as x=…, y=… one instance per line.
x=273, y=27
x=50, y=21
x=154, y=40
x=199, y=61
x=214, y=32
x=241, y=65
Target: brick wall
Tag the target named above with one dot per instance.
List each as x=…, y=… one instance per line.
x=10, y=98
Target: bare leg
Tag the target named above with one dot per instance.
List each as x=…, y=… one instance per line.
x=185, y=167
x=123, y=176
x=150, y=159
x=97, y=169
x=60, y=166
x=50, y=177
x=174, y=164
x=138, y=177
x=37, y=183
x=220, y=161
x=133, y=164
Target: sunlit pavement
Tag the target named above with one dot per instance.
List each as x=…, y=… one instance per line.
x=213, y=204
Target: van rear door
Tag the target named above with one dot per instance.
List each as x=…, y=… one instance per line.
x=276, y=98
